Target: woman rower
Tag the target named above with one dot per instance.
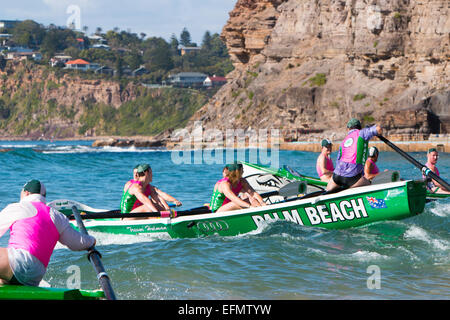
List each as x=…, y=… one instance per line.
x=226, y=191
x=370, y=168
x=137, y=191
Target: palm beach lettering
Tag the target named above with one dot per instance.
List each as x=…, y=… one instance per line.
x=345, y=210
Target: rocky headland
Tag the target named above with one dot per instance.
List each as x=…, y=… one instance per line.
x=305, y=67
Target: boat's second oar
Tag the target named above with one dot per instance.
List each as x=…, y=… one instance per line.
x=425, y=170
x=94, y=257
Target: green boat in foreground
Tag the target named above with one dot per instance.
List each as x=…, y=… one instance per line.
x=346, y=209
x=13, y=292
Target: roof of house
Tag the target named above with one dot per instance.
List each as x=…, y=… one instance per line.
x=216, y=78
x=190, y=74
x=77, y=61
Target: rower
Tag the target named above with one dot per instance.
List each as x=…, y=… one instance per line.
x=324, y=164
x=35, y=229
x=226, y=190
x=432, y=185
x=349, y=171
x=370, y=168
x=136, y=193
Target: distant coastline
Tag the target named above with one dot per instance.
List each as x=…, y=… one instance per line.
x=441, y=142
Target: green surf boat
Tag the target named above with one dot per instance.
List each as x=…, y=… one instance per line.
x=13, y=292
x=346, y=209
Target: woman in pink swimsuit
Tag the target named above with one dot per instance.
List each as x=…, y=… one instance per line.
x=370, y=169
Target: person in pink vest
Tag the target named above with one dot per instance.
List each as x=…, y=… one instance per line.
x=352, y=156
x=370, y=168
x=324, y=164
x=432, y=159
x=34, y=229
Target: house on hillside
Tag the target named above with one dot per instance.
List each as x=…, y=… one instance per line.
x=100, y=46
x=80, y=64
x=77, y=64
x=20, y=55
x=105, y=70
x=8, y=24
x=81, y=43
x=139, y=71
x=4, y=37
x=187, y=79
x=59, y=60
x=214, y=81
x=183, y=50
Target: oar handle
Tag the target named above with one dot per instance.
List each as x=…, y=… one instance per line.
x=94, y=257
x=424, y=169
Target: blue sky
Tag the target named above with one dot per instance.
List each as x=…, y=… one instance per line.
x=153, y=17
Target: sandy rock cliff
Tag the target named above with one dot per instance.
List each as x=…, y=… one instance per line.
x=307, y=66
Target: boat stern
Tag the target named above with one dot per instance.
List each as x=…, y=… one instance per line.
x=417, y=193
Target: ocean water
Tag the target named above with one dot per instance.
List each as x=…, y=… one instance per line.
x=410, y=258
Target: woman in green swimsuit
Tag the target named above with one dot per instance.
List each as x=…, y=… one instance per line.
x=137, y=191
x=226, y=190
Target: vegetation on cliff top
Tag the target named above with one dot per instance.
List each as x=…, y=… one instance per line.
x=126, y=49
x=30, y=111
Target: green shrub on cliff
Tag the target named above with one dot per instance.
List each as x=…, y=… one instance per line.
x=152, y=112
x=318, y=80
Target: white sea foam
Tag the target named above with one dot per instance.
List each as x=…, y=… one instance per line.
x=104, y=239
x=415, y=232
x=441, y=209
x=365, y=256
x=89, y=149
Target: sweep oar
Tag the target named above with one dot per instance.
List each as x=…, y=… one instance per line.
x=94, y=257
x=425, y=170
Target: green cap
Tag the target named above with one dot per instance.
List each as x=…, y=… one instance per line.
x=353, y=122
x=326, y=143
x=432, y=150
x=234, y=166
x=35, y=186
x=142, y=167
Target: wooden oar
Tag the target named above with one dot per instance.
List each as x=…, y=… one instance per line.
x=425, y=170
x=158, y=214
x=94, y=257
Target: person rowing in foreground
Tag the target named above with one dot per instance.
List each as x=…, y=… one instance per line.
x=349, y=171
x=433, y=185
x=324, y=164
x=136, y=193
x=226, y=192
x=35, y=229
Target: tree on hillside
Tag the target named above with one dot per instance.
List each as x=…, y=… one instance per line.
x=133, y=59
x=206, y=43
x=57, y=40
x=28, y=33
x=157, y=54
x=2, y=62
x=174, y=44
x=185, y=38
x=119, y=66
